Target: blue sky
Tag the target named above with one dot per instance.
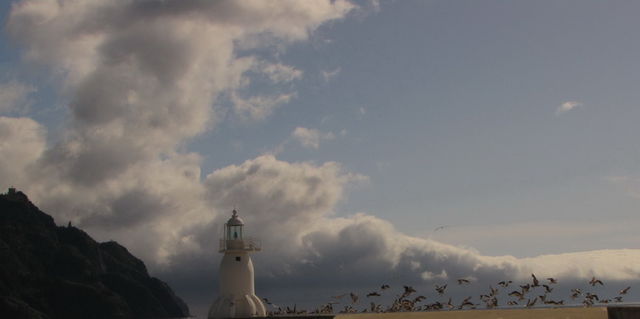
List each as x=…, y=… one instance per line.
x=450, y=108
x=511, y=123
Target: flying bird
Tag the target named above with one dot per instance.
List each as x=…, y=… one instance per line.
x=373, y=294
x=466, y=302
x=492, y=303
x=384, y=287
x=408, y=290
x=419, y=298
x=441, y=289
x=624, y=291
x=575, y=293
x=434, y=306
x=591, y=296
x=504, y=283
x=375, y=307
x=531, y=303
x=354, y=297
x=555, y=302
x=462, y=281
x=536, y=283
x=518, y=294
x=449, y=304
x=552, y=280
x=440, y=228
x=494, y=291
x=595, y=281
x=547, y=289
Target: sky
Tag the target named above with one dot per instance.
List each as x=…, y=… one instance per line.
x=361, y=141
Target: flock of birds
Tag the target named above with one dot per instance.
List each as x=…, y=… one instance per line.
x=527, y=295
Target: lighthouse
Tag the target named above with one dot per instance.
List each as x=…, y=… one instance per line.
x=237, y=298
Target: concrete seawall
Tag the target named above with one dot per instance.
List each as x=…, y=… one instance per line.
x=570, y=313
x=623, y=312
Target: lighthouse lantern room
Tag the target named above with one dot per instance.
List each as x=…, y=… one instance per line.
x=237, y=298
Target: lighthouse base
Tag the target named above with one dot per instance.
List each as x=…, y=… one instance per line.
x=244, y=306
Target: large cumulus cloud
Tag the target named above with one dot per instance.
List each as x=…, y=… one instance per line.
x=143, y=77
x=140, y=79
x=22, y=142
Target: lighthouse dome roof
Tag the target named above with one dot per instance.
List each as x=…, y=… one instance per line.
x=235, y=220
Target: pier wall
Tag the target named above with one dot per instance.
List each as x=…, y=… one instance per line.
x=626, y=312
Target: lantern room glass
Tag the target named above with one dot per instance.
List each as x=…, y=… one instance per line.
x=234, y=233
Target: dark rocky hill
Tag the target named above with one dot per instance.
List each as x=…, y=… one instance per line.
x=47, y=271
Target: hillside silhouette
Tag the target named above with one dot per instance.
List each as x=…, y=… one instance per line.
x=49, y=271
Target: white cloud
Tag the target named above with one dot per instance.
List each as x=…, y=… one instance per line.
x=280, y=73
x=375, y=4
x=141, y=79
x=328, y=75
x=22, y=142
x=311, y=138
x=611, y=264
x=293, y=203
x=14, y=96
x=258, y=108
x=567, y=106
x=427, y=275
x=290, y=207
x=537, y=237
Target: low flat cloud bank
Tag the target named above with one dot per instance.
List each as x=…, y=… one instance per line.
x=308, y=252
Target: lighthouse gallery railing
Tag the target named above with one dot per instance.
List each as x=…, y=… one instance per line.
x=243, y=244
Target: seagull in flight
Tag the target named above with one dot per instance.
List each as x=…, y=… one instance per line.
x=440, y=228
x=441, y=289
x=531, y=303
x=466, y=302
x=462, y=281
x=354, y=297
x=518, y=294
x=408, y=290
x=536, y=283
x=595, y=281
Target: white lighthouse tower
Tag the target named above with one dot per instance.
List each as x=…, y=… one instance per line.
x=237, y=297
